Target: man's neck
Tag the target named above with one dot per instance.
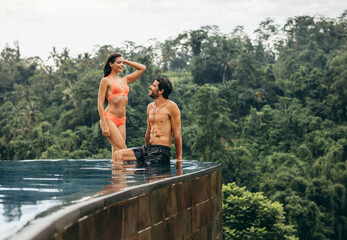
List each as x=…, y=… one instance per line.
x=160, y=101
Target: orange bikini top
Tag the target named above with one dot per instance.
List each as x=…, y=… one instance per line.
x=117, y=89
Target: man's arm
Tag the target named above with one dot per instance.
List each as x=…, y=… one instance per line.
x=176, y=129
x=148, y=132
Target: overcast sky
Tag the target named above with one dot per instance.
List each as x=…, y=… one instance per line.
x=80, y=25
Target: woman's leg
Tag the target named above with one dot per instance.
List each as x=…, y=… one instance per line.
x=122, y=130
x=115, y=137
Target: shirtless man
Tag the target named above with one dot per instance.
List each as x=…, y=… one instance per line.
x=163, y=120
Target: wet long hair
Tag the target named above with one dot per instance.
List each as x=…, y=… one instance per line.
x=164, y=83
x=111, y=58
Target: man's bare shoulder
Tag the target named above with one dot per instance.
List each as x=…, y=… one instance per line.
x=172, y=106
x=150, y=105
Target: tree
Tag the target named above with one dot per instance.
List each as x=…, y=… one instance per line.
x=213, y=120
x=249, y=215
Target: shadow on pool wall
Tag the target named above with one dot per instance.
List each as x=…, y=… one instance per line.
x=179, y=207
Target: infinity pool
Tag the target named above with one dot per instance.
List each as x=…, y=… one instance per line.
x=34, y=188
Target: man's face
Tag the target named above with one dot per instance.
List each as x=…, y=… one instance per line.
x=154, y=90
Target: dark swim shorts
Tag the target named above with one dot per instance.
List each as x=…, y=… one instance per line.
x=152, y=155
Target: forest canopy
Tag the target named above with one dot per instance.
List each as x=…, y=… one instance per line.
x=270, y=109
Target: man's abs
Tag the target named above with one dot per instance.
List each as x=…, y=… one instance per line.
x=160, y=136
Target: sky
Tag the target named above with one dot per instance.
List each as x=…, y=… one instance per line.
x=82, y=25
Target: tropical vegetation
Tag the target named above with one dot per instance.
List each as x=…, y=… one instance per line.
x=271, y=109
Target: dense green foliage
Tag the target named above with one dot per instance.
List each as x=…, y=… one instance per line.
x=272, y=110
x=249, y=215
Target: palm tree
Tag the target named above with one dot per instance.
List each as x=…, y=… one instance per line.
x=30, y=113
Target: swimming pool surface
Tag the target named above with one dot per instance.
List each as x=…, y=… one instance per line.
x=34, y=188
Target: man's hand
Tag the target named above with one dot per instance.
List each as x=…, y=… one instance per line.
x=179, y=167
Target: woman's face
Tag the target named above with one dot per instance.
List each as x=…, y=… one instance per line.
x=117, y=65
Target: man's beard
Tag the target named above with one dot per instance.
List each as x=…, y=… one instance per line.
x=154, y=95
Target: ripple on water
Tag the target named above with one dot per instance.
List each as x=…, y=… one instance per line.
x=29, y=188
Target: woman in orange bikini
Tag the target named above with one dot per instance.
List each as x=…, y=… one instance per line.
x=115, y=89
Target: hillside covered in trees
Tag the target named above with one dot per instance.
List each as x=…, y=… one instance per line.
x=272, y=109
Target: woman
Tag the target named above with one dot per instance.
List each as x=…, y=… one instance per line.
x=115, y=89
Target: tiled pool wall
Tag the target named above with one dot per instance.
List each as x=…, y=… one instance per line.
x=182, y=207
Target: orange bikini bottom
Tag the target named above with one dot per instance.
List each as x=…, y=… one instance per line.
x=113, y=118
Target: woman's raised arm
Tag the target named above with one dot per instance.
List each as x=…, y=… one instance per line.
x=140, y=69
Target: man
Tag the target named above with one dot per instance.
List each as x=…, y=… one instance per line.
x=163, y=120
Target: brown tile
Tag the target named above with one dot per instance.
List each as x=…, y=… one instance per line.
x=169, y=228
x=187, y=218
x=197, y=235
x=143, y=212
x=60, y=236
x=57, y=236
x=196, y=215
x=71, y=232
x=52, y=237
x=101, y=224
x=213, y=184
x=203, y=233
x=214, y=228
x=179, y=196
x=179, y=226
x=219, y=182
x=190, y=237
x=169, y=200
x=133, y=237
x=145, y=234
x=86, y=228
x=210, y=232
x=220, y=224
x=216, y=205
x=187, y=195
x=209, y=211
x=129, y=216
x=203, y=215
x=219, y=236
x=207, y=187
x=198, y=191
x=116, y=213
x=156, y=201
x=158, y=231
x=220, y=203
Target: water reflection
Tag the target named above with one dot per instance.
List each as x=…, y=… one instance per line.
x=130, y=173
x=34, y=188
x=30, y=188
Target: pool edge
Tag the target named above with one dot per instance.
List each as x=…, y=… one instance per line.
x=44, y=228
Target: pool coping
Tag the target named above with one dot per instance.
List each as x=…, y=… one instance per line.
x=43, y=228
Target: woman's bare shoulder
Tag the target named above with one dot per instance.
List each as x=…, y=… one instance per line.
x=105, y=81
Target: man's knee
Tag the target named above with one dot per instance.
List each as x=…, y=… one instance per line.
x=117, y=155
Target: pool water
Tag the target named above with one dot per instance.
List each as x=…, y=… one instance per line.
x=34, y=188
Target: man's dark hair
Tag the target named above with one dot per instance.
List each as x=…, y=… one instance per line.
x=166, y=85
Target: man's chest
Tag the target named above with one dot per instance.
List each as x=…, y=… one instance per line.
x=159, y=115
